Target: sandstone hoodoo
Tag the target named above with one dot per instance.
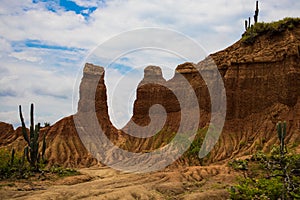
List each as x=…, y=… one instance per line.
x=261, y=75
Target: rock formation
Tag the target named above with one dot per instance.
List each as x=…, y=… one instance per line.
x=262, y=82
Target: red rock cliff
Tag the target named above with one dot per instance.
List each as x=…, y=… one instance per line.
x=262, y=82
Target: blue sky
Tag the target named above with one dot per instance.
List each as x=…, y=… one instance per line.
x=44, y=44
x=68, y=5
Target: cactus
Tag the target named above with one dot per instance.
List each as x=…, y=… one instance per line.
x=281, y=132
x=23, y=158
x=249, y=22
x=256, y=13
x=12, y=157
x=32, y=149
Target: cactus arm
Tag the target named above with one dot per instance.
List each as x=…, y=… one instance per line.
x=24, y=130
x=26, y=153
x=279, y=129
x=31, y=153
x=31, y=122
x=36, y=134
x=249, y=22
x=284, y=129
x=31, y=116
x=36, y=140
x=256, y=13
x=283, y=135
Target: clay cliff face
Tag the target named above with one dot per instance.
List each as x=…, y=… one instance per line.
x=262, y=85
x=262, y=82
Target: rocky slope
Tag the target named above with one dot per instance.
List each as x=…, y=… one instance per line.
x=262, y=84
x=261, y=79
x=191, y=183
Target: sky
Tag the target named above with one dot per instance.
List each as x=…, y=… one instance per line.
x=44, y=45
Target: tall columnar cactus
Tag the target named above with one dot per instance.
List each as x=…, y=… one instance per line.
x=281, y=132
x=32, y=149
x=249, y=22
x=256, y=13
x=246, y=25
x=43, y=147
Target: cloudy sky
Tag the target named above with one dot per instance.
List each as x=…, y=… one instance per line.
x=44, y=44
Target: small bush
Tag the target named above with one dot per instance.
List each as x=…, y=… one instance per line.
x=13, y=168
x=23, y=171
x=46, y=124
x=62, y=172
x=239, y=164
x=31, y=161
x=257, y=189
x=196, y=144
x=259, y=156
x=269, y=181
x=273, y=28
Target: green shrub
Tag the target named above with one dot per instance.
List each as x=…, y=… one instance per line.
x=62, y=172
x=196, y=144
x=31, y=161
x=21, y=170
x=259, y=156
x=273, y=28
x=279, y=177
x=239, y=164
x=257, y=189
x=13, y=168
x=269, y=183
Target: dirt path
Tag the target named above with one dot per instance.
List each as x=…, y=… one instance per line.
x=105, y=183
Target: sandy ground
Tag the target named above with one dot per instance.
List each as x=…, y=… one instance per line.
x=105, y=183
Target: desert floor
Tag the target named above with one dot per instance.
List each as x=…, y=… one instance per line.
x=210, y=182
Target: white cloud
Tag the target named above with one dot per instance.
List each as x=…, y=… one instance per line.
x=5, y=46
x=23, y=83
x=10, y=116
x=9, y=7
x=88, y=3
x=275, y=10
x=47, y=75
x=198, y=19
x=41, y=24
x=25, y=56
